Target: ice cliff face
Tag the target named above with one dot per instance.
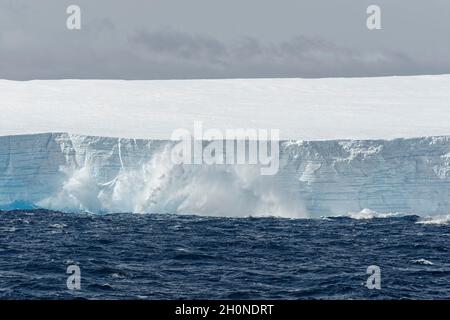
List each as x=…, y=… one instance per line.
x=82, y=173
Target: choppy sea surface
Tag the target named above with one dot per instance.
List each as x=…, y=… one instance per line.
x=130, y=256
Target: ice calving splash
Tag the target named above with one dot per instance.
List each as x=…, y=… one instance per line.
x=161, y=186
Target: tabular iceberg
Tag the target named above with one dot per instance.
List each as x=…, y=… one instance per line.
x=347, y=145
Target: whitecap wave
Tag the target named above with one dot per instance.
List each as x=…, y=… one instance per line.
x=367, y=214
x=437, y=220
x=423, y=262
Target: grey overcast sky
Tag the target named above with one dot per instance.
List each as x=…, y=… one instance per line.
x=168, y=39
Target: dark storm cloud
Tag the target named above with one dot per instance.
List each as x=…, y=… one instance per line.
x=204, y=56
x=180, y=45
x=116, y=43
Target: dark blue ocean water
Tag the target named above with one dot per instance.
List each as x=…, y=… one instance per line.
x=126, y=256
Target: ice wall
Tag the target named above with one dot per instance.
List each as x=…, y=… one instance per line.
x=105, y=175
